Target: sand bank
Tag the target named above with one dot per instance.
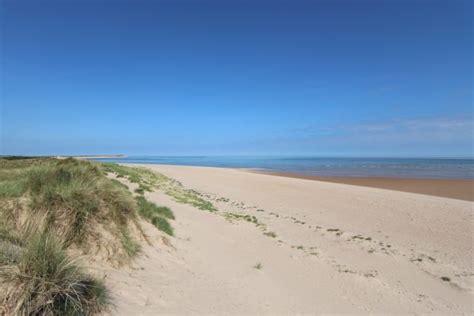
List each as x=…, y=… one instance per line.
x=315, y=247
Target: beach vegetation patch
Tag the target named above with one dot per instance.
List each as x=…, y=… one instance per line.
x=50, y=208
x=270, y=234
x=149, y=180
x=234, y=216
x=139, y=191
x=41, y=279
x=157, y=215
x=184, y=196
x=75, y=196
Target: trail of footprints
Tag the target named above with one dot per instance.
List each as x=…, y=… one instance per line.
x=366, y=242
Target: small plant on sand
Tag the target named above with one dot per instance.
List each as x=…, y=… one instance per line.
x=270, y=234
x=139, y=191
x=235, y=216
x=258, y=266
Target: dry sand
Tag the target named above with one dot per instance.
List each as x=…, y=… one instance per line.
x=339, y=249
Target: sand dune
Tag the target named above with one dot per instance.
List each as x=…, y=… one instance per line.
x=336, y=248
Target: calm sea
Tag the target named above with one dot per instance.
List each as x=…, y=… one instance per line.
x=436, y=168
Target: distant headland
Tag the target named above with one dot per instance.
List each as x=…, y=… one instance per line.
x=92, y=156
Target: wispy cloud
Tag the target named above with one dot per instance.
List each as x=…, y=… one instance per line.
x=411, y=129
x=444, y=136
x=448, y=127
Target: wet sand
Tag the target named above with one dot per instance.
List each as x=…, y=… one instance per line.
x=460, y=189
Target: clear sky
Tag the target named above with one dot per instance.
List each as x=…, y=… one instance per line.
x=326, y=78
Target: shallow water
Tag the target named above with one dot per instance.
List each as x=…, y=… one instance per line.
x=436, y=168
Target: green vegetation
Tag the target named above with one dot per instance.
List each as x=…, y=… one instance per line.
x=270, y=234
x=157, y=215
x=258, y=266
x=147, y=180
x=139, y=191
x=184, y=196
x=140, y=176
x=43, y=280
x=76, y=197
x=50, y=208
x=234, y=216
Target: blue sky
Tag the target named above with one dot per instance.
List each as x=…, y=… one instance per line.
x=326, y=78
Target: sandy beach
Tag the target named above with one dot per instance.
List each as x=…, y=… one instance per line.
x=314, y=247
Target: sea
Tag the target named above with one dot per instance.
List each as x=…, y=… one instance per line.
x=431, y=168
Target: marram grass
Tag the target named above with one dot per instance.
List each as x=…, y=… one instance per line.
x=48, y=206
x=43, y=280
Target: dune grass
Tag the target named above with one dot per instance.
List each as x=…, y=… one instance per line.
x=49, y=206
x=12, y=177
x=148, y=180
x=43, y=280
x=76, y=195
x=157, y=215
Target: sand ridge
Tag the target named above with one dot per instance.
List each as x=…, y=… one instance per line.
x=286, y=246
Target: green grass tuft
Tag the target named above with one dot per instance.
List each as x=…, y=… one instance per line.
x=131, y=247
x=270, y=234
x=162, y=224
x=258, y=266
x=157, y=215
x=149, y=209
x=43, y=280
